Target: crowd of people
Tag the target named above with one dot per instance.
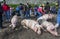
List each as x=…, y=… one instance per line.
x=26, y=10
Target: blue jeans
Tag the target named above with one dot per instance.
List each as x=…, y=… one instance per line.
x=7, y=14
x=21, y=13
x=35, y=13
x=27, y=14
x=54, y=11
x=30, y=12
x=58, y=19
x=58, y=16
x=39, y=14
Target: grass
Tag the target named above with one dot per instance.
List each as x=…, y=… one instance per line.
x=13, y=5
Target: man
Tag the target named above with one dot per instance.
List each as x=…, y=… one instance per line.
x=17, y=10
x=6, y=10
x=28, y=10
x=35, y=10
x=40, y=11
x=58, y=17
x=1, y=12
x=47, y=7
x=21, y=10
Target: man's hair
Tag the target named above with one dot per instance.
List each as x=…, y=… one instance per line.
x=47, y=3
x=21, y=4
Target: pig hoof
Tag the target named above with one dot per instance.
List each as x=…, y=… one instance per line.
x=25, y=27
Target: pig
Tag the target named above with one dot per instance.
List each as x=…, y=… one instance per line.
x=50, y=27
x=14, y=21
x=32, y=24
x=47, y=16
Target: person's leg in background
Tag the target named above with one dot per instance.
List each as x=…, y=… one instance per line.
x=3, y=17
x=21, y=13
x=30, y=12
x=0, y=21
x=27, y=14
x=35, y=13
x=58, y=21
x=39, y=14
x=7, y=15
x=18, y=13
x=58, y=17
x=24, y=14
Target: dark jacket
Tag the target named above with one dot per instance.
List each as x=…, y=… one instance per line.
x=47, y=7
x=21, y=7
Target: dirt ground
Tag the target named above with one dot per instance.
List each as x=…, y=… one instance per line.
x=21, y=33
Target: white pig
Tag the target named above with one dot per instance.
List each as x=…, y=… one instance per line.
x=34, y=25
x=14, y=21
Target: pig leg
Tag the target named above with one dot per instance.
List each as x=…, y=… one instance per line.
x=25, y=27
x=35, y=29
x=13, y=26
x=39, y=31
